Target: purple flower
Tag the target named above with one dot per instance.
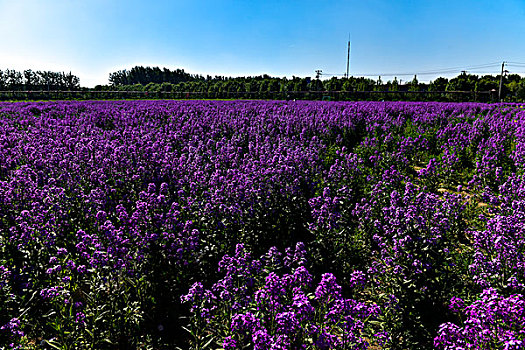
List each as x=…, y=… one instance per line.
x=229, y=343
x=287, y=322
x=13, y=326
x=261, y=340
x=328, y=288
x=245, y=323
x=80, y=318
x=101, y=216
x=490, y=312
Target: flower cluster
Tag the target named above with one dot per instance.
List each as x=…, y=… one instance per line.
x=276, y=305
x=491, y=322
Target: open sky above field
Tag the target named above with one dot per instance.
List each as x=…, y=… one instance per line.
x=280, y=38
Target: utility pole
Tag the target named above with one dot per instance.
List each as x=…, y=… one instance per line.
x=318, y=73
x=501, y=80
x=348, y=59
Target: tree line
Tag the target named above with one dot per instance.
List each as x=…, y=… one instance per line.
x=164, y=80
x=157, y=80
x=146, y=75
x=28, y=80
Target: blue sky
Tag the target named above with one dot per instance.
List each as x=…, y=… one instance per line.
x=92, y=38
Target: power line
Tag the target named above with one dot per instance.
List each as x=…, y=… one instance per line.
x=483, y=69
x=516, y=65
x=486, y=65
x=442, y=70
x=432, y=72
x=437, y=71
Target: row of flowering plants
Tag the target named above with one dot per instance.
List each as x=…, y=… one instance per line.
x=274, y=303
x=261, y=225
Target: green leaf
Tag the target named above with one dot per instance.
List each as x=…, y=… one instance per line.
x=53, y=344
x=207, y=344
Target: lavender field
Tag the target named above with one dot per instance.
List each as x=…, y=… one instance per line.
x=262, y=225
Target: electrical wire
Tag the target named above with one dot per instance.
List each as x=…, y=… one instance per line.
x=486, y=65
x=430, y=72
x=479, y=69
x=441, y=71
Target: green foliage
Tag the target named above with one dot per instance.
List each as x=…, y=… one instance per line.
x=440, y=84
x=29, y=80
x=414, y=84
x=463, y=82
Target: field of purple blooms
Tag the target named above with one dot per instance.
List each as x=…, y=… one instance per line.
x=262, y=225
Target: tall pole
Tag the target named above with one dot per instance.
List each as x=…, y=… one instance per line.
x=348, y=59
x=501, y=80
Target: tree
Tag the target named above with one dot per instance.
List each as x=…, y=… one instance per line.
x=520, y=91
x=166, y=87
x=14, y=79
x=333, y=84
x=414, y=84
x=29, y=78
x=440, y=84
x=283, y=85
x=273, y=85
x=379, y=85
x=71, y=81
x=463, y=82
x=3, y=80
x=394, y=86
x=315, y=85
x=348, y=86
x=517, y=89
x=487, y=83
